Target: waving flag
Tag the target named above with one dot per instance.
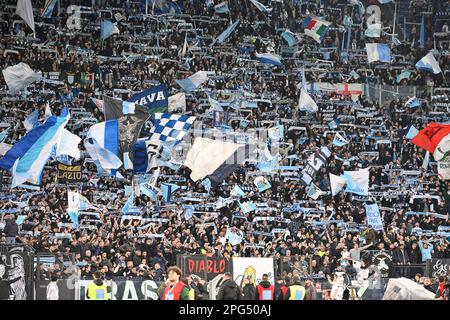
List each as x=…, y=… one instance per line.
x=237, y=192
x=261, y=7
x=18, y=77
x=357, y=182
x=412, y=132
x=222, y=7
x=373, y=30
x=316, y=28
x=167, y=190
x=227, y=32
x=378, y=52
x=48, y=8
x=170, y=127
x=413, y=102
x=373, y=216
x=107, y=29
x=269, y=58
x=24, y=9
x=339, y=140
x=31, y=152
x=314, y=192
x=177, y=102
x=404, y=75
x=154, y=99
x=247, y=207
x=289, y=37
x=306, y=103
x=435, y=138
x=32, y=120
x=262, y=183
x=429, y=63
x=193, y=82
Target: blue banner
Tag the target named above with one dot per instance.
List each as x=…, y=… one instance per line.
x=154, y=99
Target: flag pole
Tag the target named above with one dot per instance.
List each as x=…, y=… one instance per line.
x=395, y=18
x=146, y=7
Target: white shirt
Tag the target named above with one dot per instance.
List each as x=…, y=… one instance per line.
x=52, y=291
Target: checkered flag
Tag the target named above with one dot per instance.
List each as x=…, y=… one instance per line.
x=170, y=127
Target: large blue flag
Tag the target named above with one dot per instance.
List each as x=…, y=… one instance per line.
x=154, y=99
x=29, y=155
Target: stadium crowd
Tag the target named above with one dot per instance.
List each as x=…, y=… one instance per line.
x=146, y=52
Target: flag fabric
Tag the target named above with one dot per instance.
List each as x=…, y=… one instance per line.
x=25, y=10
x=207, y=184
x=337, y=184
x=378, y=52
x=247, y=207
x=102, y=144
x=222, y=7
x=422, y=33
x=426, y=161
x=289, y=37
x=193, y=82
x=31, y=120
x=177, y=102
x=316, y=28
x=167, y=190
x=188, y=211
x=128, y=204
x=48, y=8
x=154, y=99
x=160, y=154
x=227, y=32
x=373, y=30
x=185, y=47
x=31, y=153
x=269, y=58
x=306, y=103
x=206, y=156
x=130, y=120
x=314, y=192
x=160, y=7
x=412, y=132
x=149, y=190
x=261, y=7
x=435, y=138
x=339, y=140
x=48, y=111
x=373, y=216
x=428, y=63
x=262, y=183
x=237, y=192
x=413, y=102
x=303, y=87
x=170, y=127
x=357, y=182
x=18, y=77
x=107, y=29
x=333, y=124
x=276, y=133
x=68, y=145
x=77, y=202
x=404, y=75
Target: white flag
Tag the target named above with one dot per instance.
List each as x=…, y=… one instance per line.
x=176, y=102
x=25, y=10
x=337, y=184
x=306, y=103
x=18, y=77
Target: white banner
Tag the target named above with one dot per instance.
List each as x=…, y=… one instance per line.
x=253, y=268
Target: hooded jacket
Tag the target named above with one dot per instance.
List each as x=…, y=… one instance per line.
x=229, y=290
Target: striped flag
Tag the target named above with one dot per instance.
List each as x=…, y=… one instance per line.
x=30, y=153
x=413, y=102
x=222, y=7
x=167, y=190
x=429, y=63
x=316, y=28
x=269, y=58
x=48, y=8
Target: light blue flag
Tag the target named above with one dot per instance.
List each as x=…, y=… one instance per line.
x=357, y=182
x=247, y=207
x=426, y=161
x=130, y=202
x=404, y=75
x=188, y=211
x=262, y=184
x=222, y=7
x=193, y=82
x=429, y=63
x=20, y=219
x=373, y=216
x=207, y=184
x=4, y=134
x=413, y=102
x=73, y=215
x=339, y=140
x=269, y=58
x=412, y=132
x=333, y=124
x=237, y=191
x=378, y=52
x=149, y=191
x=48, y=8
x=30, y=154
x=107, y=29
x=31, y=121
x=167, y=190
x=289, y=37
x=227, y=32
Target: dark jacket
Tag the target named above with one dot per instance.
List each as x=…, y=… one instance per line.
x=310, y=292
x=5, y=287
x=229, y=290
x=11, y=228
x=249, y=292
x=398, y=257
